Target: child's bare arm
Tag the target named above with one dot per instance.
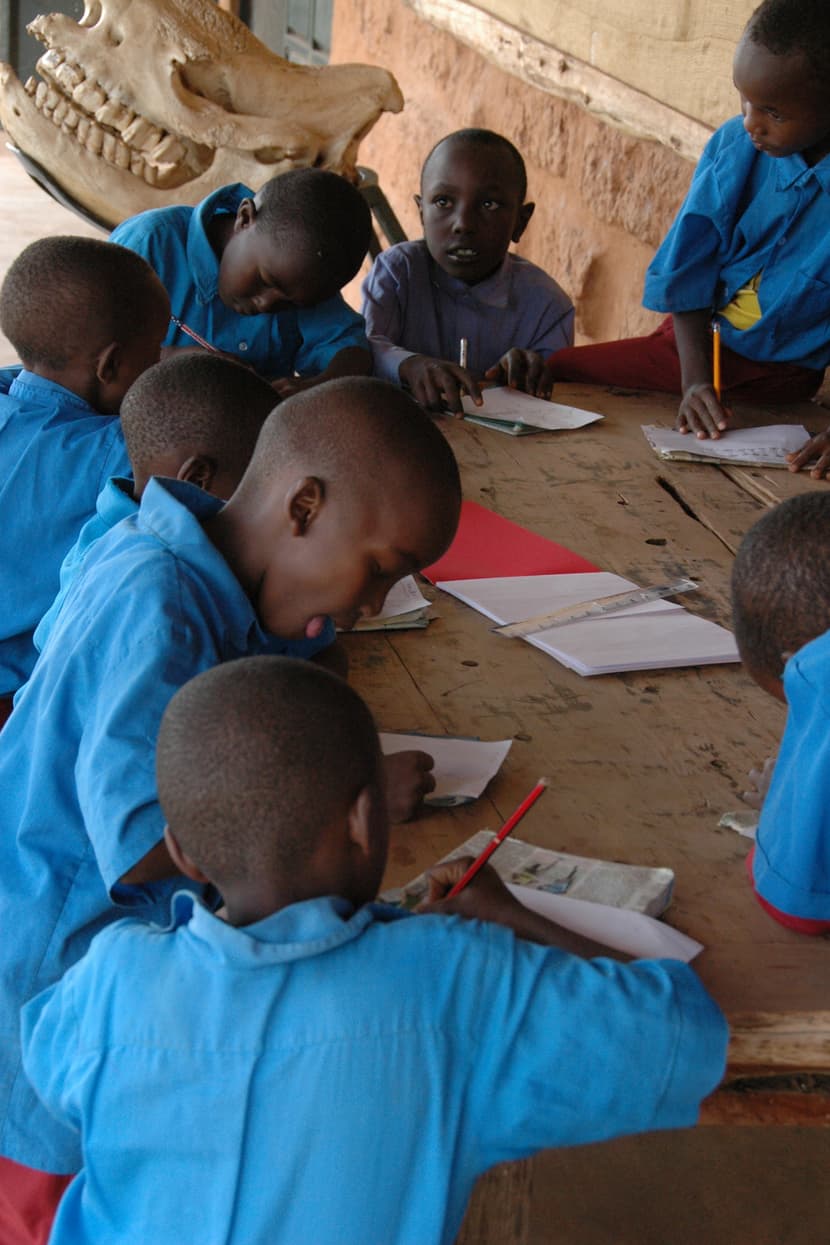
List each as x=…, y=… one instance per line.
x=700, y=411
x=486, y=898
x=522, y=369
x=437, y=384
x=350, y=361
x=818, y=449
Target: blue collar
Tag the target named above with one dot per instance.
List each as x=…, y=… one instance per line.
x=173, y=511
x=792, y=170
x=298, y=932
x=201, y=257
x=29, y=386
x=494, y=291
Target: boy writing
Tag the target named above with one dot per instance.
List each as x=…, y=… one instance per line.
x=460, y=281
x=750, y=245
x=86, y=319
x=350, y=488
x=781, y=611
x=194, y=417
x=258, y=275
x=377, y=1063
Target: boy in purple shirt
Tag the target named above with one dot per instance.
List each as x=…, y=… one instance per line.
x=461, y=282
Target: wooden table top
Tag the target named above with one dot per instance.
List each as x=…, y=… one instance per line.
x=642, y=765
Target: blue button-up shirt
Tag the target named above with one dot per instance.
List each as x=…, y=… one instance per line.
x=175, y=243
x=155, y=603
x=333, y=1076
x=791, y=862
x=413, y=307
x=746, y=213
x=57, y=453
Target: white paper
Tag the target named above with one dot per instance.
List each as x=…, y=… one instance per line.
x=755, y=446
x=522, y=408
x=633, y=933
x=513, y=598
x=654, y=642
x=658, y=635
x=463, y=767
x=402, y=598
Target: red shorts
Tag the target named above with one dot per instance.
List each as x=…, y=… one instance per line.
x=653, y=363
x=28, y=1201
x=800, y=924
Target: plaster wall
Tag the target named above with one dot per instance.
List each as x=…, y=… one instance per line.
x=604, y=200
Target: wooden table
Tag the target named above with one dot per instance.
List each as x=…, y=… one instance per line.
x=642, y=764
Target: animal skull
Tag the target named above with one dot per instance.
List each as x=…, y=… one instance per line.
x=146, y=103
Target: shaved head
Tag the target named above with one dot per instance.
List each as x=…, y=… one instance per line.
x=65, y=295
x=256, y=758
x=363, y=438
x=781, y=583
x=197, y=404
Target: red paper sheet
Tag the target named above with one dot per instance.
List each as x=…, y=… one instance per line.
x=487, y=546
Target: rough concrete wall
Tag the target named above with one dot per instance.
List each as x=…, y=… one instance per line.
x=604, y=200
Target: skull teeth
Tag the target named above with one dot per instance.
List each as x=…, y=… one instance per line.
x=103, y=125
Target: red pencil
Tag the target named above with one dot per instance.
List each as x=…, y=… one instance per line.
x=512, y=820
x=192, y=333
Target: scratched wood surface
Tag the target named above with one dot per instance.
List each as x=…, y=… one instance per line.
x=642, y=764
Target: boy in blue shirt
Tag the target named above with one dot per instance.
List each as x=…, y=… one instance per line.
x=86, y=319
x=461, y=281
x=193, y=417
x=781, y=611
x=750, y=245
x=350, y=488
x=258, y=275
x=314, y=1066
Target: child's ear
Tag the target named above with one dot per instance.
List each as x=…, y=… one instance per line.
x=420, y=206
x=180, y=858
x=199, y=469
x=108, y=362
x=363, y=819
x=525, y=213
x=245, y=215
x=304, y=503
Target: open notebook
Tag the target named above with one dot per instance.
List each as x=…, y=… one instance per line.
x=510, y=410
x=749, y=447
x=653, y=636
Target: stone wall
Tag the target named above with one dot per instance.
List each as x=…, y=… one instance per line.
x=604, y=200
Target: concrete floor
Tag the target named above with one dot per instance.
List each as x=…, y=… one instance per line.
x=702, y=1187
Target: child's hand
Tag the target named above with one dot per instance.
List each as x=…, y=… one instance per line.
x=408, y=780
x=759, y=781
x=522, y=369
x=284, y=386
x=817, y=447
x=485, y=898
x=701, y=413
x=438, y=385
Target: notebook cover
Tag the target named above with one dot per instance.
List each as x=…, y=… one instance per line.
x=487, y=546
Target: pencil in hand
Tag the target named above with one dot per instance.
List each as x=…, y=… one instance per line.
x=512, y=821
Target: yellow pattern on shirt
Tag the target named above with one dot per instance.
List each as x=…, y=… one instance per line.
x=744, y=310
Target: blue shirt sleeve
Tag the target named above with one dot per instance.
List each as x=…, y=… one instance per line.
x=326, y=329
x=583, y=1050
x=49, y=1033
x=791, y=862
x=684, y=274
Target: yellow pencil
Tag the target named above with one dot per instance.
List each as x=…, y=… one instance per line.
x=716, y=358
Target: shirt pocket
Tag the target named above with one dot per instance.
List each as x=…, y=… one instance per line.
x=802, y=311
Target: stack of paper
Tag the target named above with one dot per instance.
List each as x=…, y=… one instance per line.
x=517, y=413
x=654, y=636
x=405, y=607
x=463, y=767
x=750, y=447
